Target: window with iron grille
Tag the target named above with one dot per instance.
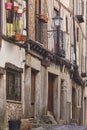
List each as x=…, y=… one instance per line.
x=13, y=85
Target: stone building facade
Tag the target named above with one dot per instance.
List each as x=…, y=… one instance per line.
x=43, y=70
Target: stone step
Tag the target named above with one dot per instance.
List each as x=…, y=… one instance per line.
x=73, y=121
x=62, y=122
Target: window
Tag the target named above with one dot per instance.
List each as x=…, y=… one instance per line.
x=57, y=33
x=13, y=85
x=15, y=18
x=62, y=43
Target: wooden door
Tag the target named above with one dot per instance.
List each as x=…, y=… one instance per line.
x=85, y=111
x=50, y=93
x=73, y=103
x=32, y=93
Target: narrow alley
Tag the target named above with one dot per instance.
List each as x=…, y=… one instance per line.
x=64, y=127
x=43, y=64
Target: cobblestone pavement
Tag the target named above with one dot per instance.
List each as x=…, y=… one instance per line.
x=55, y=127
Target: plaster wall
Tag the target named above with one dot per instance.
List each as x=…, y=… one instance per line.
x=12, y=54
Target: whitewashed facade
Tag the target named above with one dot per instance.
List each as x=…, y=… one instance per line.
x=44, y=70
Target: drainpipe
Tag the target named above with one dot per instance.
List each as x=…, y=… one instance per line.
x=27, y=18
x=86, y=39
x=85, y=58
x=74, y=35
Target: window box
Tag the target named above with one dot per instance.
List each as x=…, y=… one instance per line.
x=43, y=18
x=8, y=5
x=20, y=37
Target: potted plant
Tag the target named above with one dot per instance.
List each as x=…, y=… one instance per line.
x=15, y=8
x=17, y=37
x=43, y=17
x=23, y=38
x=8, y=5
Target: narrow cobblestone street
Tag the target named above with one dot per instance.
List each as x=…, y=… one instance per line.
x=55, y=127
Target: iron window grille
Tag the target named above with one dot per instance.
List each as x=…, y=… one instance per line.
x=13, y=85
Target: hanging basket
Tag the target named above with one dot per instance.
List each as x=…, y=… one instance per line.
x=8, y=5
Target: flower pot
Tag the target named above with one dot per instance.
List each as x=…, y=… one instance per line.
x=17, y=37
x=14, y=125
x=15, y=8
x=43, y=18
x=23, y=38
x=8, y=5
x=20, y=37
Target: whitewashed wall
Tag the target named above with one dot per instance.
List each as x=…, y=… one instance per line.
x=11, y=53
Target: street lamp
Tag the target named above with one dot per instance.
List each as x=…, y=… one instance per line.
x=57, y=20
x=56, y=34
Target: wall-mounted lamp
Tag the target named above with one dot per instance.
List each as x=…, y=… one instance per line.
x=57, y=22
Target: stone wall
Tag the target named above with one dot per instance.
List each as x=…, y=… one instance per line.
x=14, y=111
x=31, y=22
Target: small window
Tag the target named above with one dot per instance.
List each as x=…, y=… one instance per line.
x=13, y=85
